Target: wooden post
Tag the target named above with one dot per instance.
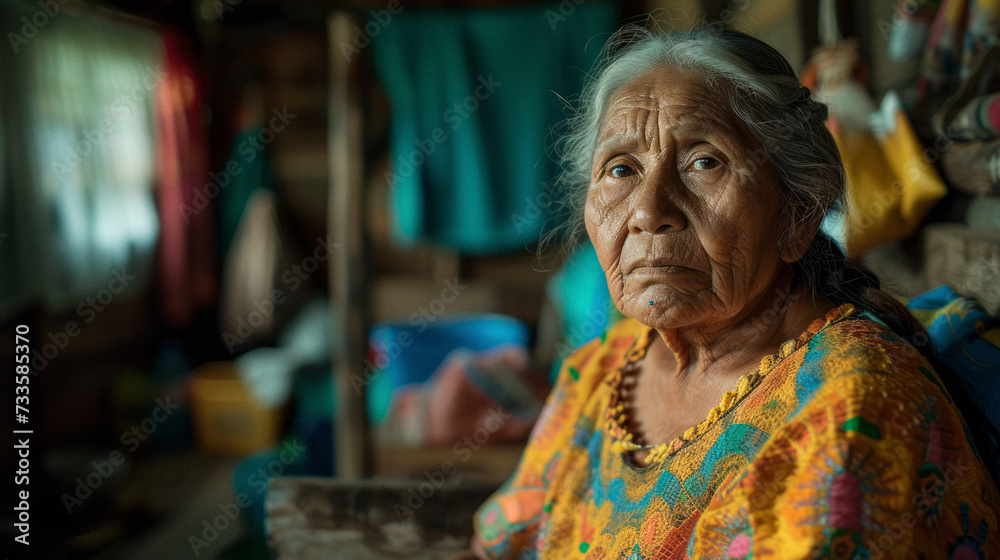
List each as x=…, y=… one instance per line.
x=349, y=266
x=808, y=16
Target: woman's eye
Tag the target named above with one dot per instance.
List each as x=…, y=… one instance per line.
x=705, y=163
x=621, y=170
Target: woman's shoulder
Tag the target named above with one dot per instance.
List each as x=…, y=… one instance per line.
x=871, y=450
x=855, y=354
x=607, y=351
x=583, y=373
x=856, y=372
x=861, y=383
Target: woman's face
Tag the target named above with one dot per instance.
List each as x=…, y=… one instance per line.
x=680, y=208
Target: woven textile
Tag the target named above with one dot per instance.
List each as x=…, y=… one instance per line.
x=844, y=446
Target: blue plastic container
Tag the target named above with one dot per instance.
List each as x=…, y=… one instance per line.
x=409, y=351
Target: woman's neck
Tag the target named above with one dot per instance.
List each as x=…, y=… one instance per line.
x=781, y=312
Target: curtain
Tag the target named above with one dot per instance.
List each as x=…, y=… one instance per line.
x=77, y=215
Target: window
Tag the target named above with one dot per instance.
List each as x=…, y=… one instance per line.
x=78, y=171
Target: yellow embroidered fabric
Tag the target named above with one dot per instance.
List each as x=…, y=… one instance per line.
x=842, y=445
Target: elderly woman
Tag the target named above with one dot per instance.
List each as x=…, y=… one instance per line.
x=762, y=399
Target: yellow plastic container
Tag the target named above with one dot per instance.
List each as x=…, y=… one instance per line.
x=227, y=418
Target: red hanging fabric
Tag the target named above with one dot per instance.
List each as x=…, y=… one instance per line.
x=186, y=251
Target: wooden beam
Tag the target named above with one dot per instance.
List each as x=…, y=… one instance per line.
x=349, y=267
x=373, y=519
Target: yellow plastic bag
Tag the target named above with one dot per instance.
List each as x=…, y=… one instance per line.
x=891, y=184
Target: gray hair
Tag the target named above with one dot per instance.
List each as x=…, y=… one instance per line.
x=763, y=91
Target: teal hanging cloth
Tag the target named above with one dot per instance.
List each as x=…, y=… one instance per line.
x=475, y=94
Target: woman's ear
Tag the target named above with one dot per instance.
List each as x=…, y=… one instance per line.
x=798, y=235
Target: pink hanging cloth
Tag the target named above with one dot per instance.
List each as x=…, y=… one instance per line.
x=186, y=256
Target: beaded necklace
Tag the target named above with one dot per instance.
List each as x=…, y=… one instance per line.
x=619, y=406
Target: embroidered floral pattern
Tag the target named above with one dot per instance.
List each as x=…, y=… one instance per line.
x=840, y=445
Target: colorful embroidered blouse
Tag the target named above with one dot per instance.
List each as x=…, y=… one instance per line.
x=843, y=445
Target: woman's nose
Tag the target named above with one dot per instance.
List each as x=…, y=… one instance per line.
x=654, y=209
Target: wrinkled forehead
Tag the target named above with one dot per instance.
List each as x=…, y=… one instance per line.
x=682, y=100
